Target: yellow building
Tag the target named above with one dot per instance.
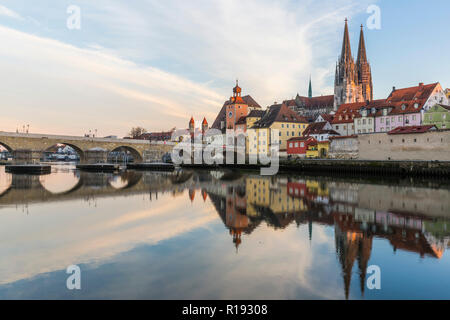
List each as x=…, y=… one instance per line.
x=318, y=150
x=277, y=125
x=263, y=193
x=447, y=93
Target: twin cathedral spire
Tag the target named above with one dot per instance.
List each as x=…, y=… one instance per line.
x=353, y=81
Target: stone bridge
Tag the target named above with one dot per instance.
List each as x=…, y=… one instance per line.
x=30, y=147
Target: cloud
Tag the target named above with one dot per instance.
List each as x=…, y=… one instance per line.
x=4, y=11
x=156, y=64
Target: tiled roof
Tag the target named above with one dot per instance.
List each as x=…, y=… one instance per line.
x=351, y=110
x=412, y=129
x=314, y=128
x=327, y=117
x=301, y=139
x=412, y=93
x=256, y=114
x=316, y=102
x=279, y=113
x=242, y=120
x=347, y=112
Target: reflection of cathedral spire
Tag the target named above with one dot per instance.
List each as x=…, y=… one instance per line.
x=192, y=194
x=350, y=246
x=204, y=195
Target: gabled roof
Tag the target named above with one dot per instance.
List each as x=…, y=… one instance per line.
x=279, y=113
x=413, y=129
x=420, y=92
x=327, y=117
x=314, y=128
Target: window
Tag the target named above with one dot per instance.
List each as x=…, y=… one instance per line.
x=296, y=144
x=370, y=121
x=302, y=144
x=279, y=133
x=291, y=145
x=414, y=118
x=293, y=133
x=382, y=120
x=282, y=125
x=287, y=126
x=287, y=133
x=359, y=122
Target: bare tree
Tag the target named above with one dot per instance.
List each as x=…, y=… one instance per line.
x=136, y=132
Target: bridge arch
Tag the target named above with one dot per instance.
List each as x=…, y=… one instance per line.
x=7, y=147
x=137, y=156
x=77, y=149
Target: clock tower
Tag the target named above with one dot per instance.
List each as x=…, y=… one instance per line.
x=236, y=108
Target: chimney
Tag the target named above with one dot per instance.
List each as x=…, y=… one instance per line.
x=421, y=84
x=393, y=89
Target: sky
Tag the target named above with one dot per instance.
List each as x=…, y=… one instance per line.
x=155, y=63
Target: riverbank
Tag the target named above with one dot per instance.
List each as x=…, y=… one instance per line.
x=352, y=167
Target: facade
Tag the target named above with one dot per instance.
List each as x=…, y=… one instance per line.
x=353, y=81
x=277, y=117
x=297, y=147
x=406, y=143
x=365, y=121
x=236, y=109
x=447, y=93
x=439, y=115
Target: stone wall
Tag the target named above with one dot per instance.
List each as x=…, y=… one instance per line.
x=433, y=145
x=343, y=148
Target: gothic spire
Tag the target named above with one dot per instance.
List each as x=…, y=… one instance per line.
x=346, y=53
x=310, y=88
x=362, y=57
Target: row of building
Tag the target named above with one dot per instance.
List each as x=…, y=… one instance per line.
x=307, y=126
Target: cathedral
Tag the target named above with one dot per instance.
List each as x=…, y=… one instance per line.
x=353, y=81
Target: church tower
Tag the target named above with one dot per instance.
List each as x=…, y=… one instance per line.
x=364, y=71
x=347, y=88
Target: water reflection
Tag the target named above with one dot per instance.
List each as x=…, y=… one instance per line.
x=347, y=224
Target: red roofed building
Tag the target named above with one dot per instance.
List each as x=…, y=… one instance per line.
x=297, y=146
x=406, y=107
x=343, y=121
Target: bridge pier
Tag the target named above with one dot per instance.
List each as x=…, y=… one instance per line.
x=95, y=155
x=26, y=156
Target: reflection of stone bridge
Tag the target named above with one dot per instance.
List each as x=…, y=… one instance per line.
x=36, y=144
x=26, y=189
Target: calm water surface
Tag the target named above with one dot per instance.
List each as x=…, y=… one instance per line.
x=221, y=235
